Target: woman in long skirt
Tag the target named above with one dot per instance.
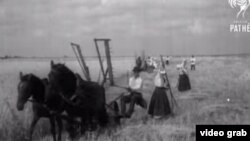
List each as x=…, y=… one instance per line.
x=183, y=81
x=159, y=104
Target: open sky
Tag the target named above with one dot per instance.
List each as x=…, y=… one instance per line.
x=46, y=27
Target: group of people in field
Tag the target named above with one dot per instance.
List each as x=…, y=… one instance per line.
x=159, y=105
x=64, y=95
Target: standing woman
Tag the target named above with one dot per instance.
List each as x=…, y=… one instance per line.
x=192, y=64
x=183, y=80
x=159, y=104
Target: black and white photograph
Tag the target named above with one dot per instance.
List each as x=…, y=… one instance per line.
x=124, y=70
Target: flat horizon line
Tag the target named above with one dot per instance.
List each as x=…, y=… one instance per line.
x=125, y=56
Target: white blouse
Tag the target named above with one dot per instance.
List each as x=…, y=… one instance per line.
x=192, y=60
x=158, y=80
x=135, y=83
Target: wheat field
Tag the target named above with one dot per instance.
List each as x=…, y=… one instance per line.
x=216, y=80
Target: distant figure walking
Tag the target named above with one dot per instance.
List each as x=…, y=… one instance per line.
x=134, y=96
x=192, y=60
x=167, y=60
x=183, y=81
x=159, y=104
x=138, y=62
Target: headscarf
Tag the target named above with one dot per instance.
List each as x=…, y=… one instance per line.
x=182, y=67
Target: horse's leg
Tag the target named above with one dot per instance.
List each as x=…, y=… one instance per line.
x=32, y=126
x=60, y=126
x=123, y=101
x=131, y=108
x=83, y=125
x=71, y=129
x=52, y=127
x=102, y=117
x=93, y=120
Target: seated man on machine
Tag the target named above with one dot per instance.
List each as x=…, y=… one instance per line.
x=134, y=96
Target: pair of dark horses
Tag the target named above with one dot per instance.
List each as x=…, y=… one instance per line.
x=66, y=91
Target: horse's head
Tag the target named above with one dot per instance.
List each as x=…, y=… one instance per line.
x=24, y=90
x=62, y=78
x=55, y=74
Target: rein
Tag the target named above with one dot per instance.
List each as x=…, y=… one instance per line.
x=69, y=101
x=65, y=117
x=39, y=104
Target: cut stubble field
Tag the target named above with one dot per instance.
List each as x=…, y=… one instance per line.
x=219, y=95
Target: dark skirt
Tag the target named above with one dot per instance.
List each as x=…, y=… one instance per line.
x=184, y=83
x=159, y=103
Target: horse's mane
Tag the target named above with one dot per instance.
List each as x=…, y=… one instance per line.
x=62, y=69
x=31, y=77
x=64, y=72
x=63, y=78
